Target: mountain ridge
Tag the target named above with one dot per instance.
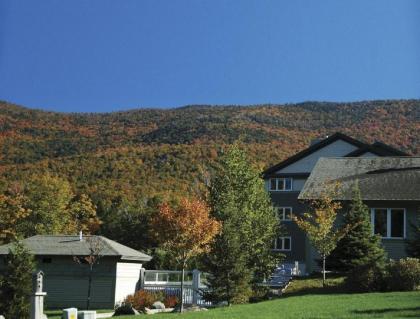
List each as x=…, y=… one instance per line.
x=164, y=151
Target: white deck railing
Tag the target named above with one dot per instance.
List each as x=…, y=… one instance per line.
x=169, y=282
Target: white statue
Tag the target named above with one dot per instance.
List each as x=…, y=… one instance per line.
x=37, y=298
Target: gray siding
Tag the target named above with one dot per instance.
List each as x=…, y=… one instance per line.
x=66, y=283
x=304, y=252
x=289, y=199
x=396, y=248
x=306, y=164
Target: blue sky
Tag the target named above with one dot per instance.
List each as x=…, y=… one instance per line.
x=103, y=55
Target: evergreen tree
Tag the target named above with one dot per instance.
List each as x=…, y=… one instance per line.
x=16, y=283
x=413, y=245
x=359, y=247
x=230, y=277
x=242, y=253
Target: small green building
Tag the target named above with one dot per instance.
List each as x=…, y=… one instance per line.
x=66, y=281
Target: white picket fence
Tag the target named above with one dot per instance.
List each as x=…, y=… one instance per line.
x=169, y=282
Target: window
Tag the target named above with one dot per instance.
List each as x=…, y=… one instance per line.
x=283, y=243
x=281, y=184
x=388, y=222
x=284, y=213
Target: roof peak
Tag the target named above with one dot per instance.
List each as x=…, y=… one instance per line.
x=378, y=148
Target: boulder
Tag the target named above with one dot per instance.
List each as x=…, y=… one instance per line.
x=158, y=305
x=148, y=311
x=190, y=309
x=125, y=309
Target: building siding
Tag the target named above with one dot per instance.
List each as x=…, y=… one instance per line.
x=290, y=228
x=128, y=275
x=305, y=165
x=66, y=282
x=396, y=248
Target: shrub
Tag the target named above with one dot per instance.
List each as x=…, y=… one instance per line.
x=366, y=278
x=16, y=283
x=124, y=309
x=404, y=274
x=260, y=293
x=143, y=299
x=170, y=301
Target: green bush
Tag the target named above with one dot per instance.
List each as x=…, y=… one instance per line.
x=16, y=283
x=403, y=274
x=366, y=278
x=144, y=299
x=123, y=309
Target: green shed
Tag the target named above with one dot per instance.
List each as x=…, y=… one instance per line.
x=116, y=274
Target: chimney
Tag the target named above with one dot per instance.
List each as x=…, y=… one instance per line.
x=80, y=236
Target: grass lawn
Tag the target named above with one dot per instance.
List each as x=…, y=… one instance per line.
x=306, y=299
x=56, y=314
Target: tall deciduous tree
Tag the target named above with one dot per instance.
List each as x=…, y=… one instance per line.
x=319, y=225
x=13, y=209
x=16, y=282
x=185, y=231
x=83, y=214
x=44, y=204
x=359, y=246
x=49, y=197
x=242, y=254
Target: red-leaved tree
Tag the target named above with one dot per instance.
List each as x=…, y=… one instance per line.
x=185, y=231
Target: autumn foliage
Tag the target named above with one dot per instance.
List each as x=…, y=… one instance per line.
x=44, y=204
x=142, y=299
x=186, y=230
x=319, y=223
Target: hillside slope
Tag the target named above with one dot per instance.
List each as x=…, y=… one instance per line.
x=147, y=152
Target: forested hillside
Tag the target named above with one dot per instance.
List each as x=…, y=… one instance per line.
x=125, y=159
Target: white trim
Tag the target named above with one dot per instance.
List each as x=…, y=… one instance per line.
x=277, y=179
x=388, y=221
x=282, y=243
x=283, y=215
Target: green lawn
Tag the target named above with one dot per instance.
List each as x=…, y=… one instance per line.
x=56, y=314
x=373, y=305
x=305, y=298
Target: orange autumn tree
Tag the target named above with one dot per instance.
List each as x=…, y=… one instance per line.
x=185, y=231
x=12, y=211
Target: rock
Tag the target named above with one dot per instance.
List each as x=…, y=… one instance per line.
x=125, y=309
x=1, y=317
x=196, y=308
x=190, y=309
x=158, y=305
x=148, y=311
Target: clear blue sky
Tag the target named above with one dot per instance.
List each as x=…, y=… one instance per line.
x=102, y=55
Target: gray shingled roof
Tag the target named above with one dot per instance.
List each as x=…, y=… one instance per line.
x=379, y=178
x=61, y=245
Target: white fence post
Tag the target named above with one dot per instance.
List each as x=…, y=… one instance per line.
x=195, y=286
